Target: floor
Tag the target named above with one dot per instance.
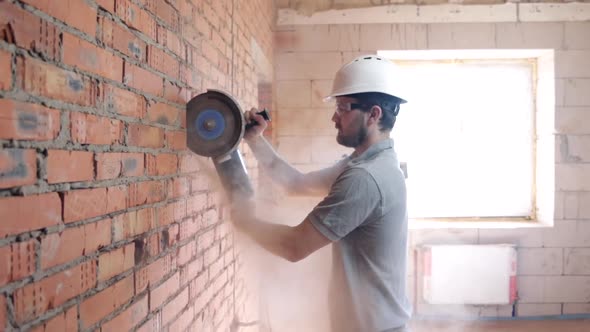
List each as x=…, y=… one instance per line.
x=503, y=326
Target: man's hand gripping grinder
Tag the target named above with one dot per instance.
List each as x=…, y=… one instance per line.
x=215, y=127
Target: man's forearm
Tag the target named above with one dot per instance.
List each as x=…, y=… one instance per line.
x=278, y=169
x=280, y=240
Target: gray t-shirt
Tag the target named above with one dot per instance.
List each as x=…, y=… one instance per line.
x=365, y=214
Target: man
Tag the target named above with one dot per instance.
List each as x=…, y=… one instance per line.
x=364, y=212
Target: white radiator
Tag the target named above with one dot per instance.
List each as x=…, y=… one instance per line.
x=469, y=274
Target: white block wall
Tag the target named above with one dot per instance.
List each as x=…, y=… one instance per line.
x=554, y=263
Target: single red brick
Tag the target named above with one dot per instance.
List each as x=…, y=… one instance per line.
x=29, y=31
x=108, y=165
x=171, y=41
x=18, y=167
x=179, y=210
x=132, y=164
x=161, y=164
x=164, y=63
x=23, y=121
x=210, y=52
x=66, y=321
x=133, y=223
x=189, y=163
x=159, y=295
x=36, y=298
x=196, y=204
x=84, y=203
x=88, y=57
x=175, y=94
x=179, y=187
x=145, y=136
x=5, y=70
x=46, y=80
x=60, y=248
x=143, y=80
x=19, y=261
x=168, y=14
x=130, y=317
x=153, y=245
x=3, y=308
x=184, y=321
x=18, y=214
x=116, y=262
x=116, y=198
x=91, y=129
x=98, y=306
x=116, y=36
x=108, y=5
x=136, y=17
x=124, y=102
x=186, y=253
x=154, y=325
x=163, y=114
x=69, y=166
x=175, y=306
x=76, y=13
x=191, y=270
x=146, y=192
x=165, y=214
x=176, y=140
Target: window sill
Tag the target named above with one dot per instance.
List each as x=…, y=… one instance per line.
x=498, y=224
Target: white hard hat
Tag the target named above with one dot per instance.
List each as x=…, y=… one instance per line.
x=367, y=73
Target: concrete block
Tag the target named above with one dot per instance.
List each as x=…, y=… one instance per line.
x=575, y=148
x=295, y=149
x=559, y=92
x=584, y=205
x=540, y=261
x=348, y=36
x=326, y=150
x=540, y=12
x=559, y=205
x=572, y=177
x=315, y=38
x=570, y=205
x=447, y=310
x=572, y=64
x=567, y=233
x=576, y=308
x=538, y=309
x=496, y=311
x=375, y=37
x=293, y=93
x=566, y=289
x=572, y=120
x=444, y=236
x=577, y=261
x=319, y=90
x=530, y=289
x=529, y=35
x=307, y=65
x=522, y=237
x=576, y=92
x=410, y=36
x=305, y=122
x=461, y=35
x=576, y=36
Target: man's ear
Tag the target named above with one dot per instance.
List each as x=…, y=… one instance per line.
x=375, y=113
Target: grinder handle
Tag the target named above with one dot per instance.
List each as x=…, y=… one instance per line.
x=264, y=114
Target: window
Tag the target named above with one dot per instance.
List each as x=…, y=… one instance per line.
x=468, y=133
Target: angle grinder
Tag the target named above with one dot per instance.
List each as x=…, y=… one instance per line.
x=215, y=127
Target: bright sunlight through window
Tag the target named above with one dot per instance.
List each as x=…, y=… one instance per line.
x=467, y=134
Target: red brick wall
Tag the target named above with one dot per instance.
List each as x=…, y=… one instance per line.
x=107, y=222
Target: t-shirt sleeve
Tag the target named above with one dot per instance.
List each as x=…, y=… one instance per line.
x=353, y=198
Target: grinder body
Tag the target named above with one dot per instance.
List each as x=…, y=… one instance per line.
x=215, y=127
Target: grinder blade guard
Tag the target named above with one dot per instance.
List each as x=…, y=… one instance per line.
x=215, y=126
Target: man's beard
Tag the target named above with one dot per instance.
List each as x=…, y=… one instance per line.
x=352, y=141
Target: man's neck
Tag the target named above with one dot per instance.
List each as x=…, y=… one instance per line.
x=371, y=139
